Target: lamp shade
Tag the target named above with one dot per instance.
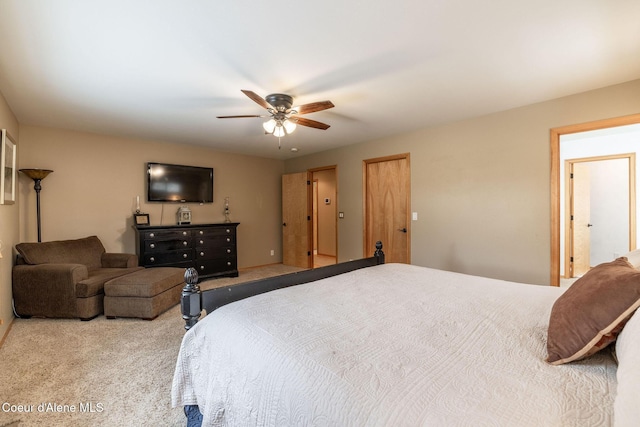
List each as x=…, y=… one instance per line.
x=36, y=174
x=279, y=131
x=269, y=126
x=289, y=126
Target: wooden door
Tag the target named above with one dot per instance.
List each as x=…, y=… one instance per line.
x=387, y=188
x=296, y=220
x=580, y=219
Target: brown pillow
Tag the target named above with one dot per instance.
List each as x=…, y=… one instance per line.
x=592, y=312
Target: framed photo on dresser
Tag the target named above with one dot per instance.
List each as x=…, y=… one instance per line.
x=141, y=219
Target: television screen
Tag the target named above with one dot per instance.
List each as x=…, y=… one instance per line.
x=178, y=183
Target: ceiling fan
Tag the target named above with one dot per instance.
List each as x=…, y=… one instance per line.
x=283, y=116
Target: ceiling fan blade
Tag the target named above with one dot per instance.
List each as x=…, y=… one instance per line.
x=236, y=117
x=257, y=99
x=309, y=123
x=314, y=106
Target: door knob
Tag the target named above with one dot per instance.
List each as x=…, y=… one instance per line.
x=589, y=225
x=284, y=224
x=404, y=229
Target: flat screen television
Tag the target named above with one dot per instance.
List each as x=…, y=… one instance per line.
x=179, y=183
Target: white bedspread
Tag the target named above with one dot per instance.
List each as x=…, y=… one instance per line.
x=392, y=345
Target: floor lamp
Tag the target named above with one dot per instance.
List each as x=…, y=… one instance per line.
x=37, y=175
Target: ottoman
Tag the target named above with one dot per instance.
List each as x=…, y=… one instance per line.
x=144, y=293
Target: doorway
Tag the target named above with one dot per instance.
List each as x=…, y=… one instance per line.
x=324, y=215
x=387, y=197
x=600, y=211
x=309, y=218
x=556, y=189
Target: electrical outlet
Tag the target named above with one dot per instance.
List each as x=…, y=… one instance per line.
x=273, y=252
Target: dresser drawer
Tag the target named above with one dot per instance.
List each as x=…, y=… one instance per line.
x=217, y=241
x=167, y=257
x=218, y=231
x=215, y=252
x=166, y=234
x=152, y=246
x=209, y=267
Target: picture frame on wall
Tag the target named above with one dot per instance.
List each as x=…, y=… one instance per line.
x=8, y=171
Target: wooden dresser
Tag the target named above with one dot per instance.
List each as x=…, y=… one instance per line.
x=210, y=248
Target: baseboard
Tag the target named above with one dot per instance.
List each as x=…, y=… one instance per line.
x=6, y=334
x=258, y=266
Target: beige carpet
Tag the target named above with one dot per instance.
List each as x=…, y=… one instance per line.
x=98, y=373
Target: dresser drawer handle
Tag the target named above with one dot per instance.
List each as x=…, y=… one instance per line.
x=201, y=232
x=228, y=251
x=202, y=242
x=201, y=253
x=228, y=230
x=185, y=256
x=152, y=245
x=229, y=263
x=184, y=233
x=228, y=239
x=185, y=243
x=152, y=259
x=152, y=235
x=202, y=267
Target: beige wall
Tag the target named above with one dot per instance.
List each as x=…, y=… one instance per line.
x=480, y=186
x=96, y=180
x=9, y=220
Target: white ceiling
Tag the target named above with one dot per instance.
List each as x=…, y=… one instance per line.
x=164, y=69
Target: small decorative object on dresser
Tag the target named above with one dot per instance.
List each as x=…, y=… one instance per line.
x=209, y=248
x=183, y=215
x=141, y=219
x=226, y=210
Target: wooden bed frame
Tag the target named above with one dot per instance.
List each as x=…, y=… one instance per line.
x=194, y=301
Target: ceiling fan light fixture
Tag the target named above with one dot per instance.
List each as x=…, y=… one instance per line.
x=269, y=126
x=289, y=126
x=279, y=131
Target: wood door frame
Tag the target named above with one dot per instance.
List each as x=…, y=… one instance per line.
x=570, y=214
x=631, y=158
x=365, y=163
x=555, y=135
x=335, y=171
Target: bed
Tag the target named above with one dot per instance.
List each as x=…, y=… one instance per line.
x=402, y=345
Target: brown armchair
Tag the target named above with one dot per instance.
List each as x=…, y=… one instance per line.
x=65, y=278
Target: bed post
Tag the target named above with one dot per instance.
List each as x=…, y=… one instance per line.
x=378, y=253
x=190, y=302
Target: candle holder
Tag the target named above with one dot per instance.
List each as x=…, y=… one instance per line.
x=226, y=210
